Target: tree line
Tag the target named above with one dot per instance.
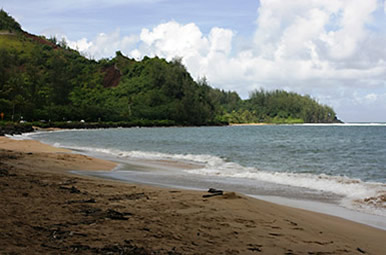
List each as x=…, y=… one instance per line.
x=43, y=79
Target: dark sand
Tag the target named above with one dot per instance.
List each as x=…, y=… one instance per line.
x=46, y=210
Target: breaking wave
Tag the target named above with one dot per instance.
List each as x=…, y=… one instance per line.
x=368, y=197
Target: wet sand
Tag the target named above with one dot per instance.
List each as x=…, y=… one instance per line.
x=47, y=210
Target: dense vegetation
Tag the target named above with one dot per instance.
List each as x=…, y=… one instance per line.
x=8, y=23
x=281, y=107
x=42, y=79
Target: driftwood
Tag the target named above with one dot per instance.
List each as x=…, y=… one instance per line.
x=213, y=192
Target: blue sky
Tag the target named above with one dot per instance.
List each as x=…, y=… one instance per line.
x=88, y=18
x=332, y=50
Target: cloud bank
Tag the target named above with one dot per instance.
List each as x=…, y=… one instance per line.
x=329, y=49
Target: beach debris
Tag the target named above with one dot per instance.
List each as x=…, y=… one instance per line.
x=360, y=250
x=213, y=192
x=256, y=249
x=73, y=189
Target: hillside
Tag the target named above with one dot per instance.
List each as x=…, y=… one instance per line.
x=8, y=23
x=43, y=79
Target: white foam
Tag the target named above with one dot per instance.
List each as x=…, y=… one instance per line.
x=200, y=159
x=24, y=136
x=358, y=195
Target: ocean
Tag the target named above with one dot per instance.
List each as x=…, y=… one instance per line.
x=343, y=165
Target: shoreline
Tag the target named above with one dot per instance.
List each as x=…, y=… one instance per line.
x=161, y=167
x=152, y=173
x=48, y=209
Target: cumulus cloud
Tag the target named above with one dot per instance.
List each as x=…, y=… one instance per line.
x=172, y=39
x=294, y=42
x=200, y=53
x=324, y=48
x=321, y=37
x=104, y=45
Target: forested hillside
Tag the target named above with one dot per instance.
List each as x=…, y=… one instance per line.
x=43, y=79
x=281, y=107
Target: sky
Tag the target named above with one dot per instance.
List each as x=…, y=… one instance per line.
x=332, y=50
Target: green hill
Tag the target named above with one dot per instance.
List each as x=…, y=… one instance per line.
x=43, y=79
x=8, y=23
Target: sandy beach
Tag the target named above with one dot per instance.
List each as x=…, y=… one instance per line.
x=47, y=210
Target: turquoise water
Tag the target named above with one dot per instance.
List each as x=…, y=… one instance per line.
x=346, y=163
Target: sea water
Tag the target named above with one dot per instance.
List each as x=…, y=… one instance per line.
x=344, y=165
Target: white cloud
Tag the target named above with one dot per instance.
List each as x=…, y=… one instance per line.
x=309, y=46
x=200, y=53
x=335, y=26
x=104, y=45
x=81, y=45
x=172, y=39
x=295, y=41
